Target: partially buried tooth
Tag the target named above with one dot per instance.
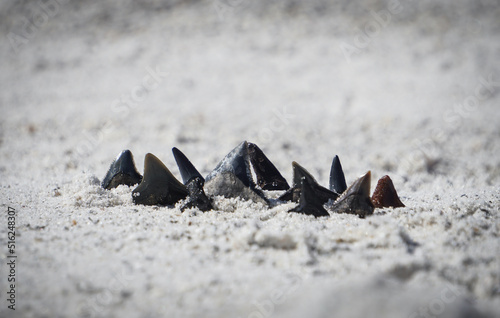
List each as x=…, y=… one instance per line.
x=268, y=177
x=232, y=177
x=356, y=199
x=121, y=171
x=385, y=194
x=309, y=203
x=194, y=183
x=293, y=194
x=158, y=186
x=186, y=168
x=337, y=178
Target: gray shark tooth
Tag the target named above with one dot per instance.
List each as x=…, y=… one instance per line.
x=309, y=203
x=385, y=194
x=337, y=178
x=237, y=163
x=293, y=194
x=186, y=168
x=232, y=177
x=158, y=186
x=356, y=199
x=268, y=177
x=121, y=171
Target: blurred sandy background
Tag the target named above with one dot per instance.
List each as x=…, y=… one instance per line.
x=405, y=88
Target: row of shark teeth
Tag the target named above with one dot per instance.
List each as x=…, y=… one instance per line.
x=232, y=178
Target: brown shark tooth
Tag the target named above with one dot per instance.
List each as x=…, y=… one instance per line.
x=309, y=202
x=158, y=186
x=385, y=195
x=121, y=171
x=356, y=199
x=268, y=177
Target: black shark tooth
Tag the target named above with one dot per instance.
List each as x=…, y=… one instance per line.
x=309, y=203
x=122, y=171
x=232, y=177
x=293, y=194
x=194, y=183
x=158, y=186
x=337, y=178
x=268, y=177
x=186, y=168
x=197, y=197
x=356, y=199
x=385, y=194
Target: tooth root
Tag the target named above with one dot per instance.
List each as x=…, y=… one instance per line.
x=186, y=168
x=268, y=177
x=232, y=177
x=292, y=194
x=158, y=186
x=121, y=171
x=356, y=199
x=197, y=198
x=337, y=178
x=228, y=185
x=385, y=194
x=309, y=203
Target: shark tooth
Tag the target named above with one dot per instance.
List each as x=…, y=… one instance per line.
x=337, y=178
x=356, y=199
x=268, y=177
x=309, y=202
x=385, y=194
x=158, y=186
x=186, y=168
x=121, y=171
x=194, y=183
x=197, y=197
x=232, y=177
x=293, y=194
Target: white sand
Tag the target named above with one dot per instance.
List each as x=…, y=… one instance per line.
x=274, y=75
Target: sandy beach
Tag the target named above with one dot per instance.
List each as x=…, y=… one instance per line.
x=408, y=89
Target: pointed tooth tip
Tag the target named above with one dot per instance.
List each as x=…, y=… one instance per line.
x=385, y=194
x=123, y=153
x=186, y=168
x=362, y=184
x=366, y=179
x=150, y=159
